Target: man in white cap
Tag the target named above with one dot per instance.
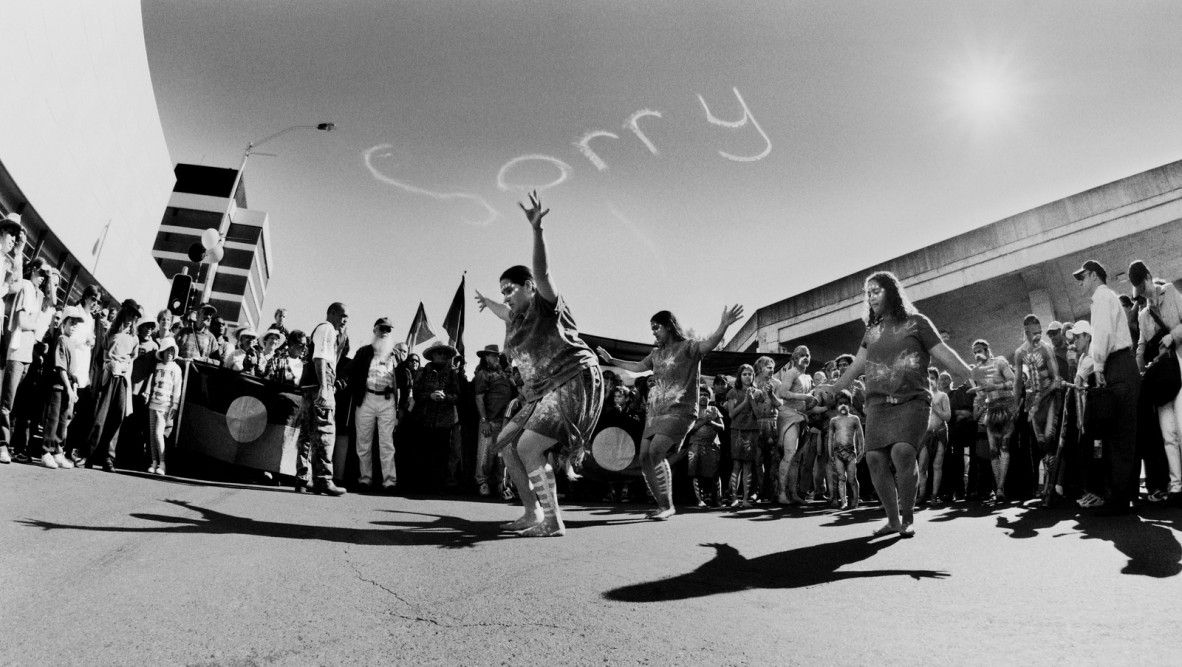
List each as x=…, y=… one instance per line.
x=1116, y=369
x=372, y=381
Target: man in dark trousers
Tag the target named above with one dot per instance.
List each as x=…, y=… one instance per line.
x=318, y=412
x=1116, y=370
x=435, y=393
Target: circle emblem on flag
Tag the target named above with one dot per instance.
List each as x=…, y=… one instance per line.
x=246, y=418
x=613, y=449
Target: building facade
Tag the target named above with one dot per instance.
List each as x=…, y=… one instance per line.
x=199, y=199
x=982, y=283
x=83, y=158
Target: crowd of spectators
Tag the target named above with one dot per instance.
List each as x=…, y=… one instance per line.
x=1076, y=412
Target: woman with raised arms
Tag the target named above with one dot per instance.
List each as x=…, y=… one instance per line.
x=676, y=363
x=563, y=390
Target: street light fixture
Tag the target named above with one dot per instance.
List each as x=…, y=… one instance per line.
x=224, y=225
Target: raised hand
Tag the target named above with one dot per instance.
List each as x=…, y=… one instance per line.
x=731, y=315
x=482, y=301
x=534, y=213
x=603, y=354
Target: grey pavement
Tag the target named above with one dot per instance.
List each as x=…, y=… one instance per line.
x=126, y=569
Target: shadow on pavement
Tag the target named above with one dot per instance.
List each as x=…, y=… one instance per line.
x=445, y=531
x=730, y=571
x=1147, y=540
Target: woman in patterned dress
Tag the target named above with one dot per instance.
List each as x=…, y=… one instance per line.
x=898, y=347
x=562, y=393
x=676, y=363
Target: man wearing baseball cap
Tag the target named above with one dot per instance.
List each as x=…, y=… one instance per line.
x=196, y=341
x=1116, y=369
x=372, y=380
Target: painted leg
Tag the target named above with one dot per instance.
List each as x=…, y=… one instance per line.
x=516, y=469
x=542, y=480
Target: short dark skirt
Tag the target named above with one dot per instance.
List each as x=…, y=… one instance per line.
x=674, y=427
x=888, y=423
x=743, y=444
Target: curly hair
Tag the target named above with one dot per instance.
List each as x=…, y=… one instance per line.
x=895, y=303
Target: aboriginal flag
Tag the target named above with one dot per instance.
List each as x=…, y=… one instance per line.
x=239, y=419
x=420, y=328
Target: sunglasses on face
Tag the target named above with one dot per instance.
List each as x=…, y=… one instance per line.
x=385, y=329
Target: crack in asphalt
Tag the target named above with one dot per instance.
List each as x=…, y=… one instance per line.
x=434, y=621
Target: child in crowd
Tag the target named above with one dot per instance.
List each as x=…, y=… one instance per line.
x=846, y=446
x=164, y=397
x=61, y=392
x=703, y=448
x=744, y=433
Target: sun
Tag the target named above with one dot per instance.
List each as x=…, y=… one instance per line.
x=985, y=95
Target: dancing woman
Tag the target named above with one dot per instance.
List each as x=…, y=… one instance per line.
x=563, y=390
x=895, y=354
x=676, y=363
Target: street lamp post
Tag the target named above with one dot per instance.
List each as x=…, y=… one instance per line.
x=224, y=225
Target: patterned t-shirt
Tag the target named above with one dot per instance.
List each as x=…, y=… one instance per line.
x=897, y=359
x=673, y=388
x=544, y=343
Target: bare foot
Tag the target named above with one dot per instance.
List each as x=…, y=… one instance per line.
x=907, y=530
x=544, y=529
x=663, y=514
x=524, y=521
x=888, y=529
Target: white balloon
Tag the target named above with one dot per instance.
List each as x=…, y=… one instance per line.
x=214, y=254
x=210, y=238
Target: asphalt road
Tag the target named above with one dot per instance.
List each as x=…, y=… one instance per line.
x=123, y=569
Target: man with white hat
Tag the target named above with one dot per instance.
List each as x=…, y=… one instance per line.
x=268, y=353
x=243, y=358
x=372, y=380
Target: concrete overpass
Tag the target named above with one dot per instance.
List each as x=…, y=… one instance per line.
x=983, y=282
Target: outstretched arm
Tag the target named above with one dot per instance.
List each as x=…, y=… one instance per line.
x=630, y=366
x=729, y=317
x=499, y=309
x=951, y=361
x=541, y=262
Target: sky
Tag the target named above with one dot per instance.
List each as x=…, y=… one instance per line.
x=693, y=154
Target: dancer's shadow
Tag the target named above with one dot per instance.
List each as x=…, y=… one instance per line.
x=446, y=532
x=730, y=571
x=1148, y=540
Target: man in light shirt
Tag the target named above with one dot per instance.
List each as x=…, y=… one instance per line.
x=318, y=411
x=373, y=383
x=1116, y=369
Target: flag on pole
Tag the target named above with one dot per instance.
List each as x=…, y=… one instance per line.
x=420, y=328
x=453, y=323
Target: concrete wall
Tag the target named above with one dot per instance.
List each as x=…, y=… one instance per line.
x=82, y=136
x=982, y=283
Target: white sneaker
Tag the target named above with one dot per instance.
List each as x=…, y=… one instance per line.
x=48, y=462
x=63, y=462
x=152, y=469
x=160, y=469
x=5, y=456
